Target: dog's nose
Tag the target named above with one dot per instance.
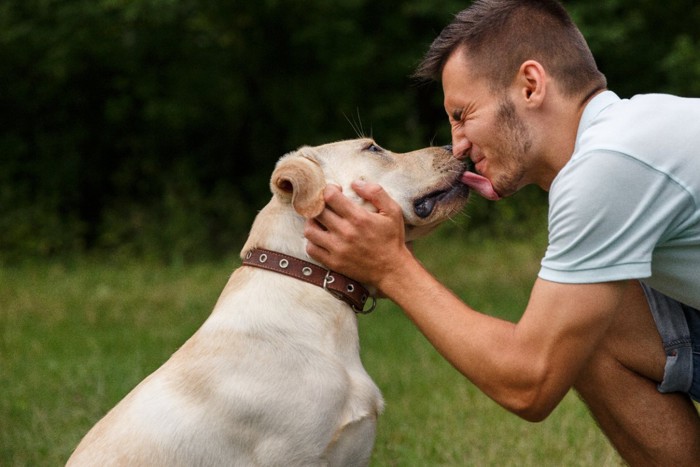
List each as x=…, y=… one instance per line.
x=447, y=147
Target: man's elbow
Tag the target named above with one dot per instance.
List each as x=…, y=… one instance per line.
x=533, y=413
x=533, y=404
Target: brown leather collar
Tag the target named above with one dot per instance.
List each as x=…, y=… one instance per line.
x=340, y=286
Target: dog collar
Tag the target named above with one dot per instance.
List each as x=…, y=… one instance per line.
x=341, y=287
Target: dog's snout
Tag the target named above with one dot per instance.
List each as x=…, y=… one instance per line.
x=447, y=147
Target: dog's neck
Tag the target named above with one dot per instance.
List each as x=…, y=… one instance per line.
x=279, y=229
x=341, y=287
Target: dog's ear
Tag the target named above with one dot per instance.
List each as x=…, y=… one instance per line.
x=299, y=180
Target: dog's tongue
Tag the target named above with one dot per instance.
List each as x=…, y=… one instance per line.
x=480, y=184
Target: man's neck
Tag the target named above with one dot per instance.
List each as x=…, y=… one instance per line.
x=561, y=130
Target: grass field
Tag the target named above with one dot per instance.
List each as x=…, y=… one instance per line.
x=75, y=337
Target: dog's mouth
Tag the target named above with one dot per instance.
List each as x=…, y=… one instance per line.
x=425, y=206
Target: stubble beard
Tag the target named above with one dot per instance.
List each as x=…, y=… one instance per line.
x=515, y=145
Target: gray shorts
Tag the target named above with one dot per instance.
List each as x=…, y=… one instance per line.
x=679, y=327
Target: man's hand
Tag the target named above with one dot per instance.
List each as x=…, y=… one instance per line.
x=349, y=239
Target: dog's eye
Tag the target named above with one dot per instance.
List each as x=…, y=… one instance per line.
x=373, y=148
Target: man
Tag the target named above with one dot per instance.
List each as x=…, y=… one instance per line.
x=613, y=312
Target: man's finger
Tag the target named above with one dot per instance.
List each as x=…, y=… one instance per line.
x=317, y=252
x=376, y=195
x=340, y=204
x=315, y=232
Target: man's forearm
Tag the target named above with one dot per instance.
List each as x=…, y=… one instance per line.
x=485, y=349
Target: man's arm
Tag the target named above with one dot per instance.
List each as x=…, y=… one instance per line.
x=526, y=367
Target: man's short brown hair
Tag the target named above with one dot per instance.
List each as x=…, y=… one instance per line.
x=499, y=35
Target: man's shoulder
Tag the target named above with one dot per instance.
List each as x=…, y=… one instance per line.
x=641, y=125
x=598, y=174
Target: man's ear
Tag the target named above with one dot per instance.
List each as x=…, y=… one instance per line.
x=532, y=80
x=299, y=180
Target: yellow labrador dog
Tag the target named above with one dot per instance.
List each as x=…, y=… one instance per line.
x=273, y=377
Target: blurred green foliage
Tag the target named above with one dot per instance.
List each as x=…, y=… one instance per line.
x=150, y=127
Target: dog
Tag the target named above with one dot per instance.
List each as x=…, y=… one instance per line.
x=273, y=377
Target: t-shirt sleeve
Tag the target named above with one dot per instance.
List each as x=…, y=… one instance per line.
x=607, y=213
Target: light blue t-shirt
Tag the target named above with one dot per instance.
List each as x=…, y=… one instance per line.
x=627, y=204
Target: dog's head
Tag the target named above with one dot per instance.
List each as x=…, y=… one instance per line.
x=425, y=183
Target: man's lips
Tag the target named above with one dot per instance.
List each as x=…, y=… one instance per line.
x=480, y=184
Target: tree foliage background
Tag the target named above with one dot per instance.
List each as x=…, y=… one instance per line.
x=150, y=127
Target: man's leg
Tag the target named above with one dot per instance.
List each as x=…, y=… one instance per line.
x=619, y=387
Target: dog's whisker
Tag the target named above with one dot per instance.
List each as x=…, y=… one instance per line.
x=356, y=125
x=432, y=140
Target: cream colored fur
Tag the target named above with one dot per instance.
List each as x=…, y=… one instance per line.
x=273, y=377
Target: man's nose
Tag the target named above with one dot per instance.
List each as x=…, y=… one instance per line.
x=460, y=147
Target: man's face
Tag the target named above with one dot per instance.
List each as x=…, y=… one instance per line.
x=485, y=126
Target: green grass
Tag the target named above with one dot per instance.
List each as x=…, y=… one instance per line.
x=76, y=337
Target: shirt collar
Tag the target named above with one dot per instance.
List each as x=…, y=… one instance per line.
x=593, y=108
